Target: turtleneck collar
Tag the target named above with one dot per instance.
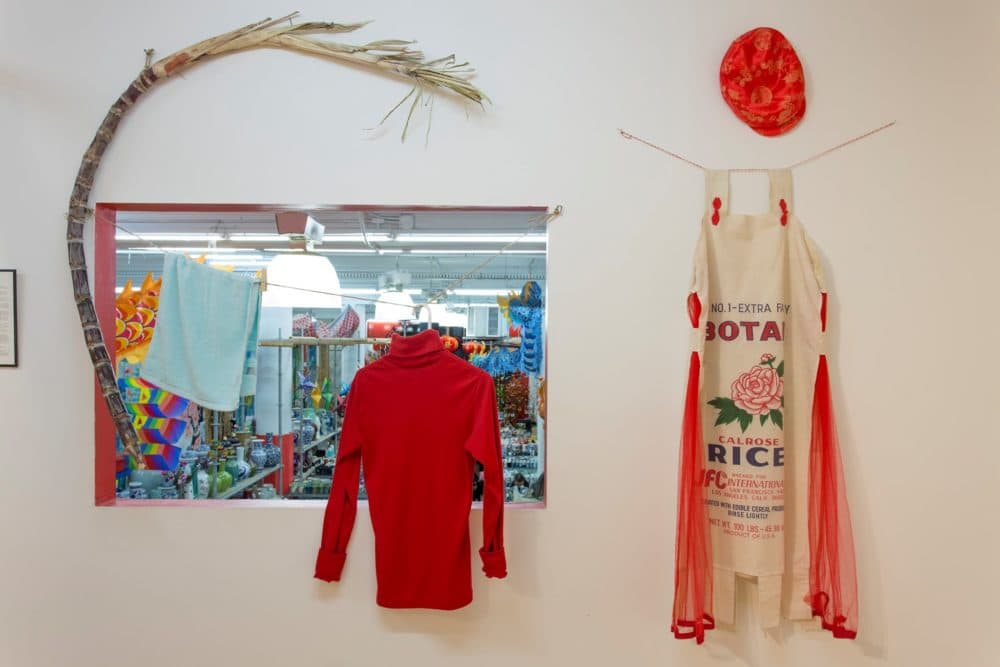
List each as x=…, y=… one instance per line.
x=410, y=349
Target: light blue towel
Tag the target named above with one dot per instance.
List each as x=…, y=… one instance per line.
x=203, y=329
x=248, y=386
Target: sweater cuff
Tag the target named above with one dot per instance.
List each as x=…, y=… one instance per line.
x=494, y=563
x=329, y=565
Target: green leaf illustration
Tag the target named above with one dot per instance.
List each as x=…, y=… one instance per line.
x=727, y=416
x=728, y=412
x=745, y=419
x=777, y=418
x=781, y=369
x=763, y=419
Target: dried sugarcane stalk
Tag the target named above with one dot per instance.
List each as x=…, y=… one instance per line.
x=392, y=56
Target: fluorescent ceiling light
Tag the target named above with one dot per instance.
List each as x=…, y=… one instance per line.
x=467, y=238
x=145, y=251
x=355, y=238
x=255, y=237
x=476, y=291
x=154, y=236
x=417, y=251
x=234, y=257
x=359, y=251
x=372, y=290
x=189, y=250
x=250, y=264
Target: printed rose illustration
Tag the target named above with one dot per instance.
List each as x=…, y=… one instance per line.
x=759, y=391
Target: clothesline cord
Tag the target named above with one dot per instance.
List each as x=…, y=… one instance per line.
x=540, y=221
x=534, y=224
x=757, y=170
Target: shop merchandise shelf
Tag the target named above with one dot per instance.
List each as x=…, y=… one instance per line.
x=298, y=341
x=320, y=440
x=305, y=489
x=245, y=484
x=311, y=469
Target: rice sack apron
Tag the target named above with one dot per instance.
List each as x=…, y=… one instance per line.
x=761, y=491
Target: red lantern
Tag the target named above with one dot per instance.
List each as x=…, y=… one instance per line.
x=450, y=343
x=469, y=347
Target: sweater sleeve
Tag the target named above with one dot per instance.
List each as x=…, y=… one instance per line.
x=484, y=445
x=342, y=506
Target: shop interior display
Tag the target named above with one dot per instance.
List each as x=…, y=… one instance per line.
x=321, y=319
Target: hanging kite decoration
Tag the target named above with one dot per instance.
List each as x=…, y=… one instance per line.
x=524, y=312
x=135, y=319
x=158, y=418
x=391, y=56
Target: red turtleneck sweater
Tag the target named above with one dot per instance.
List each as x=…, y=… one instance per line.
x=418, y=418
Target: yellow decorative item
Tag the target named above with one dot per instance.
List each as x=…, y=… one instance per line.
x=541, y=397
x=200, y=259
x=135, y=319
x=504, y=303
x=317, y=397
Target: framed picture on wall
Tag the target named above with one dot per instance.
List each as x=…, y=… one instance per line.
x=8, y=317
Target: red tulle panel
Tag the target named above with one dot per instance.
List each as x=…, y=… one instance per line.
x=833, y=585
x=693, y=558
x=694, y=309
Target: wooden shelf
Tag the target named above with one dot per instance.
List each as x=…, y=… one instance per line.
x=245, y=484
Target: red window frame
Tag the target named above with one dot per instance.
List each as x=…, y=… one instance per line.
x=105, y=267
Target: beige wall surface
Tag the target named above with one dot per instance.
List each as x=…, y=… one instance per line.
x=906, y=223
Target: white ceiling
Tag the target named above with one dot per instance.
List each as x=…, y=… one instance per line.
x=470, y=238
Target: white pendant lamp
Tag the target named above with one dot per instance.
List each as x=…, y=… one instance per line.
x=393, y=306
x=447, y=318
x=297, y=280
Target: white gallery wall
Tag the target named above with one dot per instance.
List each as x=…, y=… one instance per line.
x=906, y=223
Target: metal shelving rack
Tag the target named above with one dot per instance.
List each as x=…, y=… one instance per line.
x=335, y=345
x=245, y=484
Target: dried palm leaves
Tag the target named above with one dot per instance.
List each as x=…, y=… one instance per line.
x=391, y=55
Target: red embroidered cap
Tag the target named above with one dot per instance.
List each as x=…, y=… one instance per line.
x=762, y=82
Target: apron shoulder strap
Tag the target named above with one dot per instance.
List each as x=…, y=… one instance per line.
x=716, y=194
x=781, y=190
